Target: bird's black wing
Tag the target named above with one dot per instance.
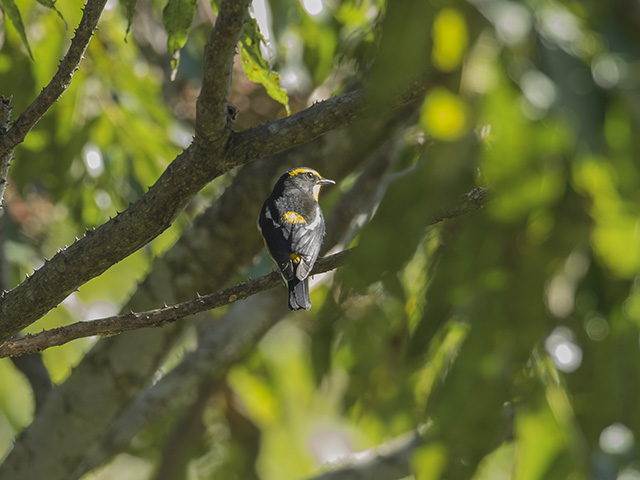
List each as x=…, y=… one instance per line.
x=277, y=237
x=306, y=240
x=293, y=246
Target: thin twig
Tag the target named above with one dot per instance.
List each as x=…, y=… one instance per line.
x=60, y=81
x=473, y=200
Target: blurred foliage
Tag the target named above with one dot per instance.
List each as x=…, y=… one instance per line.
x=512, y=331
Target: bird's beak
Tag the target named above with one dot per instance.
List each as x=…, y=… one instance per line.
x=318, y=186
x=325, y=181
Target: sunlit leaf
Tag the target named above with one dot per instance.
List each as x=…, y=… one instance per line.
x=177, y=17
x=616, y=234
x=449, y=40
x=256, y=395
x=533, y=455
x=10, y=9
x=129, y=8
x=445, y=115
x=498, y=465
x=428, y=461
x=256, y=68
x=52, y=5
x=442, y=353
x=15, y=399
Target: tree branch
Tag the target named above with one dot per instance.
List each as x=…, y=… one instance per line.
x=159, y=317
x=154, y=318
x=60, y=81
x=389, y=461
x=220, y=346
x=473, y=200
x=211, y=252
x=5, y=158
x=316, y=120
x=142, y=221
x=299, y=128
x=226, y=341
x=35, y=371
x=31, y=366
x=211, y=107
x=154, y=212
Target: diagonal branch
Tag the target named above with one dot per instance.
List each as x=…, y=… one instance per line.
x=389, y=461
x=146, y=218
x=473, y=200
x=211, y=107
x=154, y=212
x=207, y=256
x=296, y=129
x=316, y=120
x=159, y=317
x=244, y=323
x=60, y=81
x=154, y=318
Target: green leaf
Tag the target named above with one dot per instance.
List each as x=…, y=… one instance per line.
x=11, y=10
x=256, y=68
x=177, y=17
x=129, y=7
x=52, y=5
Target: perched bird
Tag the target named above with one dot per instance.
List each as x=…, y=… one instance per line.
x=292, y=225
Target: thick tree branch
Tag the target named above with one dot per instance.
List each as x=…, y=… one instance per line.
x=210, y=254
x=35, y=371
x=146, y=218
x=182, y=445
x=299, y=128
x=314, y=121
x=61, y=80
x=211, y=107
x=226, y=341
x=99, y=249
x=31, y=366
x=154, y=318
x=5, y=158
x=219, y=347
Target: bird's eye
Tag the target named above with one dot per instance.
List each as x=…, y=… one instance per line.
x=310, y=175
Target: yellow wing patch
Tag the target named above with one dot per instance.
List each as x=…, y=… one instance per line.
x=295, y=258
x=293, y=217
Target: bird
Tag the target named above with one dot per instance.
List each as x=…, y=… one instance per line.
x=292, y=225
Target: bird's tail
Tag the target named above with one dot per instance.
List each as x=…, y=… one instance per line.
x=299, y=294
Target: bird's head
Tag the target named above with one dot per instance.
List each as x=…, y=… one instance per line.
x=305, y=179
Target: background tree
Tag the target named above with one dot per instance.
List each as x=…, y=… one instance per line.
x=485, y=325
